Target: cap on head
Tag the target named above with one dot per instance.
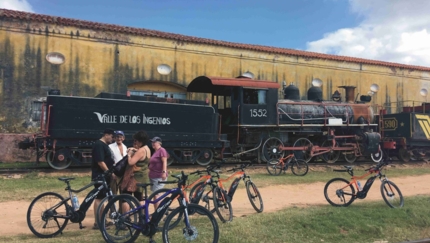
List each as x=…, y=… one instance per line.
x=120, y=133
x=109, y=131
x=156, y=139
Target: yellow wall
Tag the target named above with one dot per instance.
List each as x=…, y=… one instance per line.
x=99, y=61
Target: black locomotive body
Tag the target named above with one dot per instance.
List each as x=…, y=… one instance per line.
x=245, y=121
x=189, y=129
x=407, y=134
x=260, y=126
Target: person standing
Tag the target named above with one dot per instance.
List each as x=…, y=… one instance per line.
x=157, y=166
x=137, y=168
x=103, y=160
x=119, y=151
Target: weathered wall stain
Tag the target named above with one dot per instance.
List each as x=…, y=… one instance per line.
x=104, y=61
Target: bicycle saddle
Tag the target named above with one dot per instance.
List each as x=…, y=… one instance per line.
x=144, y=184
x=348, y=167
x=66, y=178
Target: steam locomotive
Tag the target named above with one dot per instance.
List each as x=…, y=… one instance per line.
x=244, y=120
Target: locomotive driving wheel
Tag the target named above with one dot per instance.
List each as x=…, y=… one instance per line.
x=333, y=155
x=350, y=157
x=404, y=155
x=59, y=159
x=303, y=154
x=271, y=149
x=205, y=157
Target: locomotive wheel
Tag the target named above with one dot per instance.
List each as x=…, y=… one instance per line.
x=271, y=149
x=58, y=160
x=205, y=157
x=303, y=154
x=350, y=157
x=332, y=156
x=404, y=155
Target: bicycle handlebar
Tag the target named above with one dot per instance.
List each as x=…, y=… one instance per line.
x=241, y=167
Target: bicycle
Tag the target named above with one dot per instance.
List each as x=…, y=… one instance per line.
x=55, y=210
x=184, y=188
x=222, y=206
x=127, y=226
x=240, y=174
x=345, y=193
x=299, y=167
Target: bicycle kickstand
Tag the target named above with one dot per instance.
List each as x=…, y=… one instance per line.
x=151, y=240
x=80, y=225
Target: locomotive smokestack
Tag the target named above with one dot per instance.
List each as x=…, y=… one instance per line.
x=349, y=93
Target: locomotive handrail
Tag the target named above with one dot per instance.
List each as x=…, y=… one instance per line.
x=48, y=119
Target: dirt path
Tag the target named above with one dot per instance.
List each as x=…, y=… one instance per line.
x=13, y=214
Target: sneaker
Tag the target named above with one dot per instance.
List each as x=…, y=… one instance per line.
x=95, y=227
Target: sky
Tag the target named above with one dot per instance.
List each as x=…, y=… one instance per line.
x=386, y=30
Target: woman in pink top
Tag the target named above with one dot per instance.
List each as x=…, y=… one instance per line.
x=157, y=166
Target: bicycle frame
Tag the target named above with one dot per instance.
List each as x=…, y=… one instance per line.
x=79, y=215
x=176, y=193
x=361, y=193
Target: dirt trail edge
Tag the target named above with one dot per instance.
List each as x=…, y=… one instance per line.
x=14, y=213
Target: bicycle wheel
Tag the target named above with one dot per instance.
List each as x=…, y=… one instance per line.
x=339, y=193
x=254, y=196
x=222, y=207
x=173, y=206
x=42, y=215
x=391, y=194
x=124, y=223
x=203, y=226
x=101, y=207
x=299, y=167
x=274, y=167
x=203, y=196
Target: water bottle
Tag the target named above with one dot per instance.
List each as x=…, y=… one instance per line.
x=75, y=202
x=359, y=186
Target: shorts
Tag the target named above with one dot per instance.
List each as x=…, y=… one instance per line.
x=102, y=193
x=156, y=185
x=136, y=194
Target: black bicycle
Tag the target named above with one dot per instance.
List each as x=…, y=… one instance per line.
x=49, y=213
x=188, y=222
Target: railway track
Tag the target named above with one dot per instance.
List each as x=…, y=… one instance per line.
x=87, y=169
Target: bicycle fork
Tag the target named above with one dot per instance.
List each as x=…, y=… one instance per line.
x=387, y=188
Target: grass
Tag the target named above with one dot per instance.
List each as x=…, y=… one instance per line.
x=364, y=222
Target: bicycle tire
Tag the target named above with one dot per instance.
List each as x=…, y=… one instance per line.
x=253, y=193
x=273, y=167
x=339, y=193
x=120, y=231
x=299, y=167
x=172, y=207
x=50, y=222
x=204, y=200
x=193, y=190
x=199, y=226
x=389, y=199
x=101, y=207
x=221, y=205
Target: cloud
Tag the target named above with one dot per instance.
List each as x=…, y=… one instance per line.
x=391, y=30
x=20, y=5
